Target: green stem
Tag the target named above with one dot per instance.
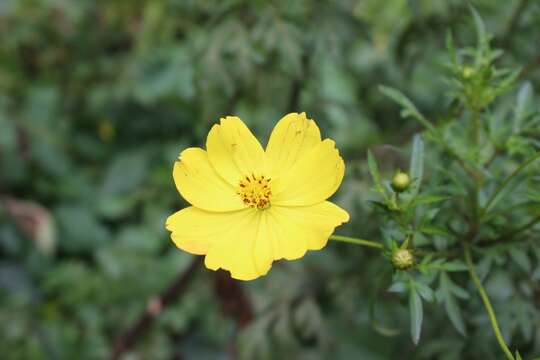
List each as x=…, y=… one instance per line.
x=440, y=138
x=507, y=181
x=477, y=127
x=356, y=241
x=456, y=156
x=376, y=245
x=487, y=304
x=448, y=254
x=510, y=236
x=524, y=227
x=477, y=185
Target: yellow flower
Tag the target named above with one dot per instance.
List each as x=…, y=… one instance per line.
x=252, y=206
x=106, y=130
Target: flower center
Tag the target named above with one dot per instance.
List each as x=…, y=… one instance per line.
x=255, y=191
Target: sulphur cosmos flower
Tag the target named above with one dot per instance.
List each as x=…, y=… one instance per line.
x=251, y=206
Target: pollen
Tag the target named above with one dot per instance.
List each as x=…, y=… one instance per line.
x=255, y=191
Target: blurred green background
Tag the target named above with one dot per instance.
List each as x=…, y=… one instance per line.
x=97, y=99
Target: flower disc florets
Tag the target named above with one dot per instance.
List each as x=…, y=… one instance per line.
x=255, y=191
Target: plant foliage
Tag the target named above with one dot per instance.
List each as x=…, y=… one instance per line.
x=97, y=98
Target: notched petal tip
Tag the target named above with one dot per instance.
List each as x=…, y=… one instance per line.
x=233, y=150
x=298, y=115
x=345, y=217
x=168, y=222
x=331, y=143
x=242, y=276
x=230, y=119
x=292, y=138
x=245, y=278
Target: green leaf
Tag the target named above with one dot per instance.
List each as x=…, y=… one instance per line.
x=434, y=230
x=409, y=110
x=425, y=291
x=384, y=330
x=450, y=304
x=416, y=313
x=430, y=199
x=479, y=24
x=375, y=174
x=519, y=256
x=379, y=205
x=377, y=325
x=416, y=170
x=397, y=287
x=480, y=33
x=456, y=265
x=454, y=314
x=439, y=264
x=508, y=81
x=536, y=274
x=524, y=99
x=450, y=47
x=80, y=230
x=126, y=173
x=459, y=291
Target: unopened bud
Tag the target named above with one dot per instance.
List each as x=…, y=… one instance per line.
x=400, y=181
x=402, y=259
x=467, y=72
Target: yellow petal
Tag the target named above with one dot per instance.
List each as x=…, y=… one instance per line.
x=313, y=178
x=228, y=239
x=234, y=151
x=195, y=230
x=297, y=229
x=293, y=136
x=201, y=186
x=239, y=249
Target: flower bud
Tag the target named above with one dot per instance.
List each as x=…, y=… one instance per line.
x=402, y=259
x=401, y=181
x=467, y=72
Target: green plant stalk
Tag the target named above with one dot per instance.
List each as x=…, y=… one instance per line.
x=476, y=194
x=523, y=228
x=477, y=127
x=507, y=181
x=351, y=240
x=376, y=245
x=487, y=303
x=439, y=137
x=447, y=254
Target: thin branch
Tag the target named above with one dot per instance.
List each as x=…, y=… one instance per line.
x=531, y=66
x=233, y=300
x=487, y=303
x=507, y=181
x=235, y=304
x=513, y=22
x=523, y=228
x=155, y=306
x=448, y=149
x=351, y=240
x=510, y=236
x=297, y=85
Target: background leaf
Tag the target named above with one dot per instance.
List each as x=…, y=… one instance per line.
x=416, y=170
x=416, y=315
